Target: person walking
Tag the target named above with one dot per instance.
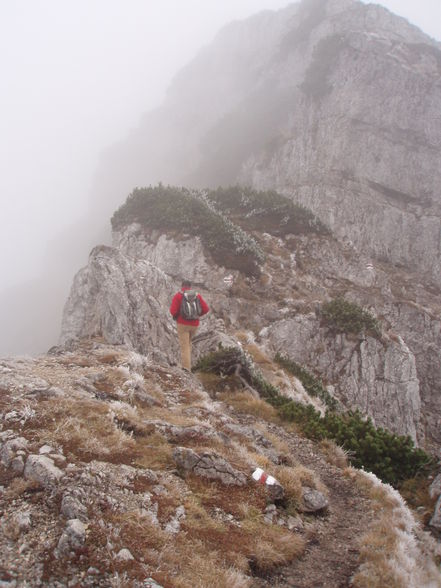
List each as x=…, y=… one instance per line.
x=186, y=307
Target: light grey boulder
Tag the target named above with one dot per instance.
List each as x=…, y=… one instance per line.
x=17, y=464
x=10, y=448
x=72, y=539
x=124, y=555
x=313, y=500
x=435, y=521
x=174, y=524
x=42, y=469
x=23, y=521
x=208, y=465
x=72, y=508
x=46, y=450
x=435, y=487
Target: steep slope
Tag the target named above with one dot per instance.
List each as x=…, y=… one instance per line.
x=334, y=103
x=116, y=470
x=124, y=293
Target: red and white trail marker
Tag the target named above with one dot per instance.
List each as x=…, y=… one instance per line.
x=263, y=478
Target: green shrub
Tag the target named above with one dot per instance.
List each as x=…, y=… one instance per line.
x=266, y=211
x=393, y=458
x=312, y=385
x=169, y=208
x=347, y=317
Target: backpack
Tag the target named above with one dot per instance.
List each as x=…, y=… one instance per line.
x=190, y=305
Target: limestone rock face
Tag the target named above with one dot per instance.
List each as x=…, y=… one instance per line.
x=378, y=378
x=334, y=103
x=124, y=294
x=105, y=295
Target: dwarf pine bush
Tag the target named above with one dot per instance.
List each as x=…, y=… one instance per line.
x=312, y=385
x=342, y=316
x=169, y=208
x=393, y=458
x=267, y=211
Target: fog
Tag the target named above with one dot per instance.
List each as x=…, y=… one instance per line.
x=75, y=78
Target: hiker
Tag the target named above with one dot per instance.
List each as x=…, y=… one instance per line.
x=186, y=308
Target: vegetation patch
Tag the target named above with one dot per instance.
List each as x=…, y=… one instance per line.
x=169, y=208
x=266, y=211
x=342, y=316
x=393, y=458
x=313, y=386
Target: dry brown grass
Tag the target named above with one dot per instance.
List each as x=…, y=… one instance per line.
x=154, y=452
x=301, y=474
x=259, y=356
x=279, y=444
x=201, y=569
x=335, y=454
x=19, y=486
x=394, y=552
x=271, y=546
x=83, y=428
x=109, y=358
x=244, y=402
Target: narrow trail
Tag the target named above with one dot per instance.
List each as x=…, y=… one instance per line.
x=331, y=555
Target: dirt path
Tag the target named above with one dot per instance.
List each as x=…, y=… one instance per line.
x=332, y=553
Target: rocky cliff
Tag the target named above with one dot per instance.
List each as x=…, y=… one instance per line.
x=334, y=103
x=124, y=293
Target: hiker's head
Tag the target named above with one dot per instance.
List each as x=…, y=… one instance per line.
x=186, y=284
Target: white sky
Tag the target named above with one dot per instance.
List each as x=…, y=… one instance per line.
x=75, y=76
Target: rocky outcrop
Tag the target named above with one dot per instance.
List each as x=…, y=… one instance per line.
x=378, y=378
x=124, y=293
x=208, y=465
x=296, y=102
x=120, y=299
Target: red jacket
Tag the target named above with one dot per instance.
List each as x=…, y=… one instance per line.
x=176, y=305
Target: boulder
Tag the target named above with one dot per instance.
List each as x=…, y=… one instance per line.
x=72, y=539
x=42, y=469
x=208, y=465
x=435, y=487
x=313, y=500
x=435, y=521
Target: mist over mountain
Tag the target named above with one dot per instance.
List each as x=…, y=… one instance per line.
x=292, y=174
x=333, y=103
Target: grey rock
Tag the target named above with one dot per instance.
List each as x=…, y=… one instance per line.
x=313, y=500
x=275, y=491
x=270, y=513
x=45, y=450
x=23, y=521
x=17, y=464
x=208, y=465
x=72, y=508
x=295, y=523
x=435, y=521
x=72, y=539
x=435, y=487
x=378, y=378
x=174, y=525
x=10, y=448
x=124, y=555
x=181, y=434
x=151, y=583
x=42, y=470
